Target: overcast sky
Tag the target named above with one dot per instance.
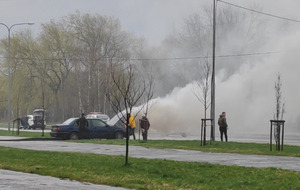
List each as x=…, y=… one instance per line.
x=152, y=19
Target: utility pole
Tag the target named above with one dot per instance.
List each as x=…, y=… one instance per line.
x=213, y=97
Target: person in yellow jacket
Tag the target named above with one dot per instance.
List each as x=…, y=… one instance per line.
x=132, y=125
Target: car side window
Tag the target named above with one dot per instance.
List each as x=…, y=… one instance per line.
x=98, y=123
x=75, y=123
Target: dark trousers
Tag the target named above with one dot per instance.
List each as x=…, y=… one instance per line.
x=145, y=134
x=223, y=130
x=133, y=133
x=84, y=133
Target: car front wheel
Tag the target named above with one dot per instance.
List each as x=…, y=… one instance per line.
x=74, y=136
x=119, y=135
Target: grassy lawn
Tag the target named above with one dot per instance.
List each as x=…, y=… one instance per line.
x=24, y=134
x=153, y=174
x=217, y=146
x=144, y=173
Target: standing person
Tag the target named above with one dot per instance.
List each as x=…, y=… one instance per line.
x=145, y=125
x=24, y=122
x=223, y=126
x=83, y=126
x=132, y=125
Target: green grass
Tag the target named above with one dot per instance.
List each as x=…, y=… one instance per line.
x=144, y=173
x=24, y=134
x=217, y=146
x=153, y=174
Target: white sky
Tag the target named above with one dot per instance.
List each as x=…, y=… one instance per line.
x=152, y=19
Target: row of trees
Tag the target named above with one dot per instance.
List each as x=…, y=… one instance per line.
x=68, y=67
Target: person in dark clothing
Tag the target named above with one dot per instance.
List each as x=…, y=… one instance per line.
x=83, y=124
x=223, y=126
x=145, y=125
x=24, y=122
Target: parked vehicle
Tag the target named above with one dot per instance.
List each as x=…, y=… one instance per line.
x=97, y=129
x=30, y=120
x=26, y=122
x=98, y=115
x=39, y=120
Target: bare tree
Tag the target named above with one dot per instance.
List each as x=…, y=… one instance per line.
x=279, y=106
x=125, y=92
x=89, y=31
x=201, y=89
x=144, y=70
x=99, y=40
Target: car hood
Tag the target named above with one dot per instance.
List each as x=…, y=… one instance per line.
x=115, y=119
x=120, y=115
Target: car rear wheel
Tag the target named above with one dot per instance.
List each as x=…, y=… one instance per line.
x=119, y=135
x=74, y=136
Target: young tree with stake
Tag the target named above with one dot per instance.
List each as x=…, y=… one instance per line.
x=126, y=91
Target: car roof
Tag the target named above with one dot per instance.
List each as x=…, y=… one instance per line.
x=72, y=119
x=75, y=118
x=97, y=114
x=101, y=115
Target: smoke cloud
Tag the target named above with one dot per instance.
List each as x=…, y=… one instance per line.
x=248, y=96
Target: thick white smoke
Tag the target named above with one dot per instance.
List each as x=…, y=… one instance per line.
x=248, y=96
x=178, y=112
x=245, y=85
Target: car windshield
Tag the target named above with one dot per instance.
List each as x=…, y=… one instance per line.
x=69, y=121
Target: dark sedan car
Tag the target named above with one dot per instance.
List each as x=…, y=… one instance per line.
x=97, y=129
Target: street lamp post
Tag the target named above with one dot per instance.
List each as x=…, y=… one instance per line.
x=9, y=72
x=213, y=83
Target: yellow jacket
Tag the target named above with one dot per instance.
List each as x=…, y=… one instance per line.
x=132, y=123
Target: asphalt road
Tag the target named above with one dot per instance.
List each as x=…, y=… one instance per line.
x=258, y=161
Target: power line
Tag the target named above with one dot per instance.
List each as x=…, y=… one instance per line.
x=248, y=54
x=259, y=12
x=205, y=57
x=157, y=59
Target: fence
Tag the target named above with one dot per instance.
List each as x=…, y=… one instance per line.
x=204, y=124
x=278, y=126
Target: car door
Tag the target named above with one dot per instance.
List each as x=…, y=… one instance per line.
x=100, y=129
